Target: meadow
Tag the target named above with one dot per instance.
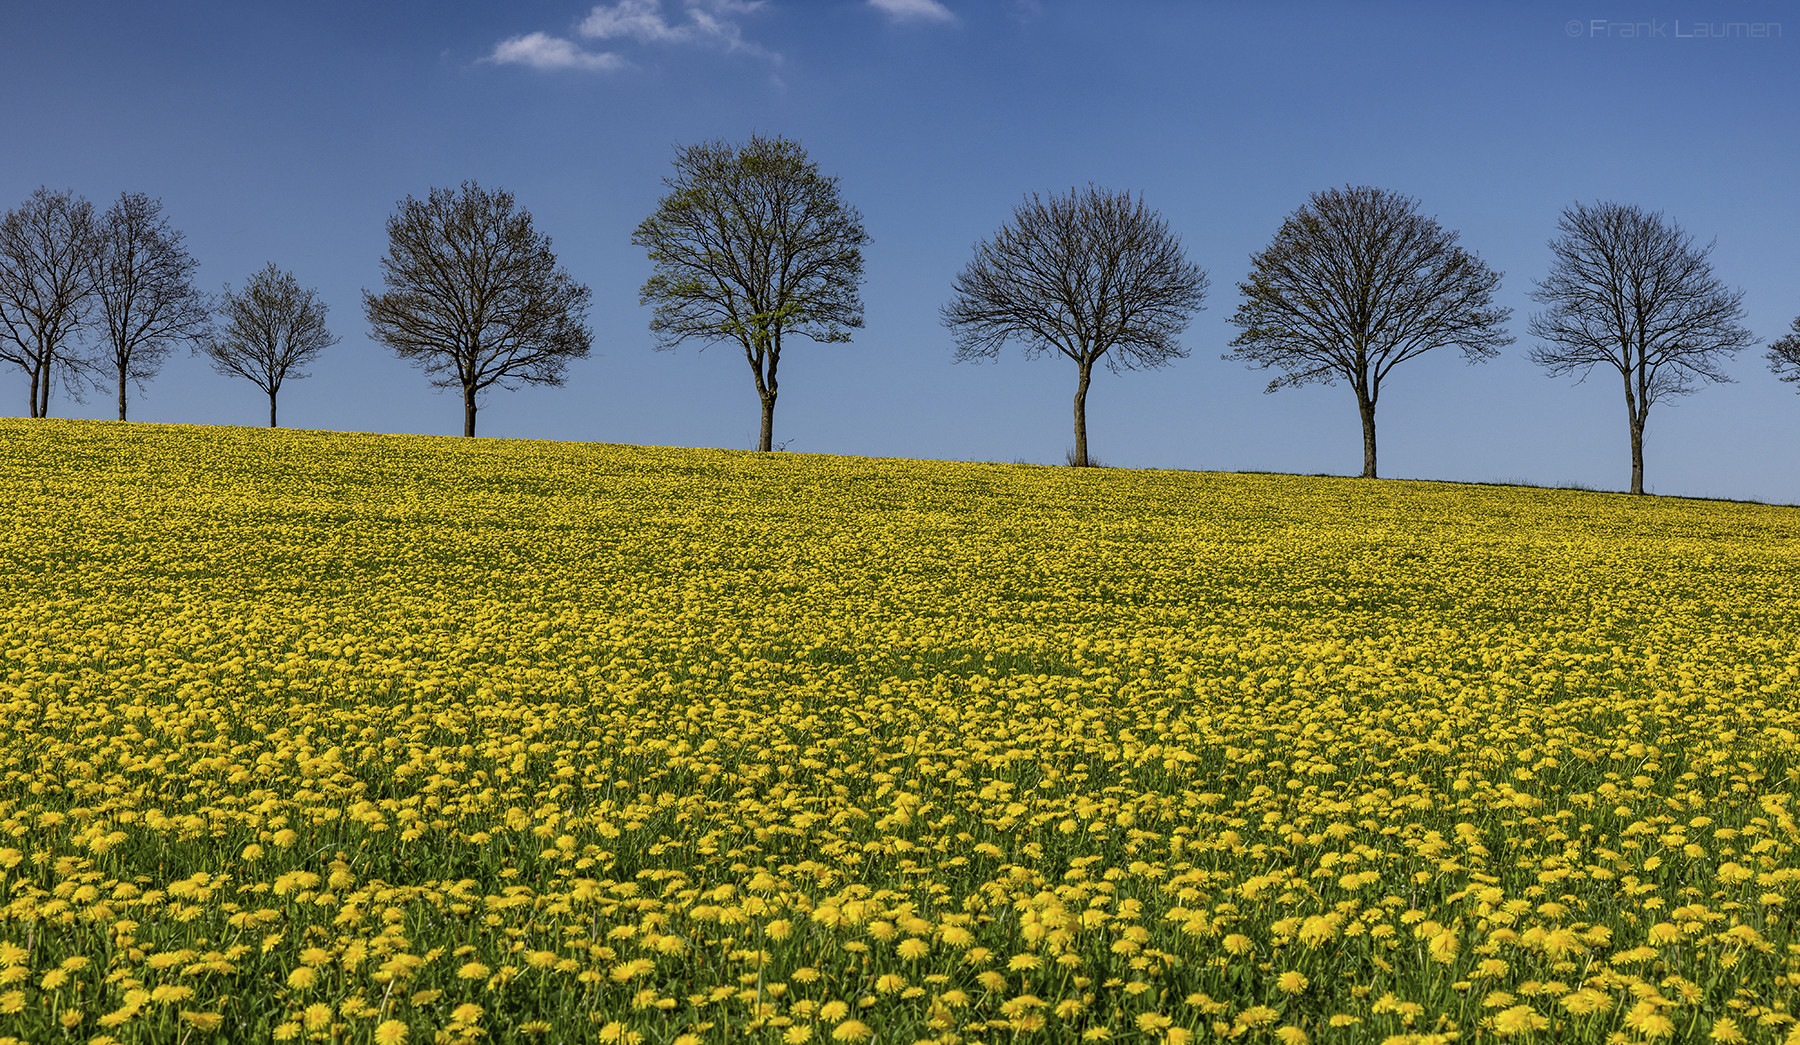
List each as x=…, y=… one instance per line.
x=332, y=737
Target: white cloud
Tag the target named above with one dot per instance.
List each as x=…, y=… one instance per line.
x=914, y=10
x=703, y=23
x=641, y=20
x=543, y=51
x=711, y=23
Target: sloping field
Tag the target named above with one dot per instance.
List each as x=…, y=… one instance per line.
x=315, y=736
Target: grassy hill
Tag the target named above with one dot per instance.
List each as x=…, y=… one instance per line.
x=398, y=738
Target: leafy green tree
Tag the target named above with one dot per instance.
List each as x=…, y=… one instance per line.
x=752, y=244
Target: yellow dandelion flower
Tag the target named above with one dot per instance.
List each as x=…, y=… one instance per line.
x=834, y=1010
x=390, y=1032
x=890, y=983
x=318, y=1016
x=302, y=977
x=473, y=971
x=616, y=1033
x=850, y=1030
x=1586, y=1000
x=1562, y=941
x=632, y=969
x=1024, y=962
x=1289, y=1034
x=1648, y=1020
x=1725, y=1029
x=1291, y=982
x=1318, y=929
x=1237, y=943
x=1520, y=1019
x=797, y=1034
x=1257, y=1015
x=1443, y=947
x=912, y=949
x=171, y=993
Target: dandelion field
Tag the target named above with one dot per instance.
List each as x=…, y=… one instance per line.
x=334, y=737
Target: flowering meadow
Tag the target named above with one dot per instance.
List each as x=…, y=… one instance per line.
x=334, y=737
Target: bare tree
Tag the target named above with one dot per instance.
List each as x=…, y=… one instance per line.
x=47, y=250
x=270, y=329
x=1094, y=275
x=752, y=243
x=475, y=296
x=1355, y=283
x=1629, y=291
x=1784, y=355
x=144, y=282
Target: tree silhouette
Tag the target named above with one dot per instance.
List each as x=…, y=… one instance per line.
x=271, y=329
x=1356, y=282
x=1094, y=275
x=475, y=296
x=1631, y=292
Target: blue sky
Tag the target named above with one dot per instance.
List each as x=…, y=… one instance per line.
x=289, y=133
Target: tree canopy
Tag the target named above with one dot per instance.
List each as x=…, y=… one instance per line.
x=1630, y=291
x=750, y=244
x=1094, y=275
x=475, y=296
x=1356, y=282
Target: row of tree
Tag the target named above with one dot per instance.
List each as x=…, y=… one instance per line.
x=752, y=244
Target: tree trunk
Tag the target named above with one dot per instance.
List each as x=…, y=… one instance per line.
x=121, y=395
x=41, y=387
x=768, y=422
x=768, y=387
x=1637, y=455
x=1081, y=391
x=468, y=414
x=1366, y=407
x=34, y=388
x=271, y=410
